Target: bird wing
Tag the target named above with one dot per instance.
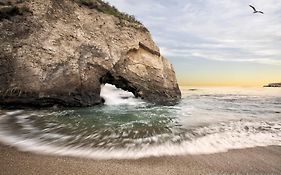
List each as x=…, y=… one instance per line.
x=260, y=12
x=253, y=7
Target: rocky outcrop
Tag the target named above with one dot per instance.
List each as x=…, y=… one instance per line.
x=273, y=85
x=61, y=51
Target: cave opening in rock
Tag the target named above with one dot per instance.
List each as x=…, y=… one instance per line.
x=116, y=89
x=119, y=82
x=112, y=95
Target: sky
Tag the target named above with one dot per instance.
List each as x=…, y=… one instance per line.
x=214, y=42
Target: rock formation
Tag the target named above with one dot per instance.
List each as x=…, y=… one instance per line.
x=61, y=51
x=273, y=85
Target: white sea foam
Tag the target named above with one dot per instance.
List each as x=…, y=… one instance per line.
x=212, y=122
x=14, y=112
x=115, y=96
x=216, y=138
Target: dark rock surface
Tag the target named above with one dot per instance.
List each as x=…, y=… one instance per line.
x=273, y=85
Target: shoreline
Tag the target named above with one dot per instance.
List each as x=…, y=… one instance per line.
x=259, y=160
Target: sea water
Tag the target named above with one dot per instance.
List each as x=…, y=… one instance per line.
x=205, y=121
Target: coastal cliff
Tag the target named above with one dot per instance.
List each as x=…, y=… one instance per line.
x=62, y=51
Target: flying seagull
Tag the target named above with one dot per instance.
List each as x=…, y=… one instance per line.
x=255, y=11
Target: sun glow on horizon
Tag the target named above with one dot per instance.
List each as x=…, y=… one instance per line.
x=227, y=79
x=183, y=82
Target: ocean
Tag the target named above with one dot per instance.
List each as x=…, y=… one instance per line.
x=207, y=120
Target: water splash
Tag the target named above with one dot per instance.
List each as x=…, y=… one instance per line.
x=115, y=96
x=128, y=128
x=200, y=140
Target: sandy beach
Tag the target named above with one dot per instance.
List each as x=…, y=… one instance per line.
x=261, y=160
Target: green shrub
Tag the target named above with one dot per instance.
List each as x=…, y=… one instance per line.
x=10, y=2
x=9, y=11
x=108, y=9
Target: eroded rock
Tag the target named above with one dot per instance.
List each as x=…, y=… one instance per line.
x=273, y=85
x=61, y=52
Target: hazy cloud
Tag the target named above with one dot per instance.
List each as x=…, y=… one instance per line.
x=222, y=30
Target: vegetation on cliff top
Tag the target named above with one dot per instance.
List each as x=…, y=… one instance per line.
x=106, y=8
x=9, y=9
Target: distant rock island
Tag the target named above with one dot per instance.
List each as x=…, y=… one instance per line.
x=273, y=85
x=62, y=51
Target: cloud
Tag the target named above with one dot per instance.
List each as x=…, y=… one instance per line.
x=220, y=30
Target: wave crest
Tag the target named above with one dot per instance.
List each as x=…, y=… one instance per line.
x=209, y=139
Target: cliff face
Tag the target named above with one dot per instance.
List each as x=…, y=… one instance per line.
x=61, y=51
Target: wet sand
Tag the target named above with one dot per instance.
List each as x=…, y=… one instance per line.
x=261, y=160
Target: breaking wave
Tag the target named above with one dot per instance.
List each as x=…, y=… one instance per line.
x=128, y=128
x=115, y=96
